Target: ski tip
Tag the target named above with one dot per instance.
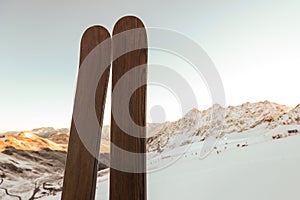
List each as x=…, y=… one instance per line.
x=127, y=23
x=92, y=37
x=99, y=33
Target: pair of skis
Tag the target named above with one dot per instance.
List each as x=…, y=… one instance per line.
x=84, y=143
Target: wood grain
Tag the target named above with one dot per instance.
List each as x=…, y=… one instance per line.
x=126, y=185
x=81, y=166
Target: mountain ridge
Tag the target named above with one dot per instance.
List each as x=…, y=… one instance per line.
x=195, y=123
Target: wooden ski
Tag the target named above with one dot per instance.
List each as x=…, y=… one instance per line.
x=82, y=164
x=126, y=185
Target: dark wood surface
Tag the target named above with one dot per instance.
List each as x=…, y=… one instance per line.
x=126, y=185
x=81, y=166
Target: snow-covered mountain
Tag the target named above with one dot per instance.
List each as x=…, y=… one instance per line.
x=26, y=174
x=291, y=117
x=32, y=162
x=27, y=140
x=194, y=125
x=32, y=157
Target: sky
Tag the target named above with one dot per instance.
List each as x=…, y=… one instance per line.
x=254, y=45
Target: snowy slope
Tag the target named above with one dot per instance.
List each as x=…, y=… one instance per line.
x=264, y=169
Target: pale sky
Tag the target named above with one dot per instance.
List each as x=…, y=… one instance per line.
x=255, y=46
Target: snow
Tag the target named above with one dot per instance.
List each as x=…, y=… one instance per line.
x=264, y=171
x=267, y=169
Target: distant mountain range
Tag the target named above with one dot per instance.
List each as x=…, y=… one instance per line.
x=164, y=135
